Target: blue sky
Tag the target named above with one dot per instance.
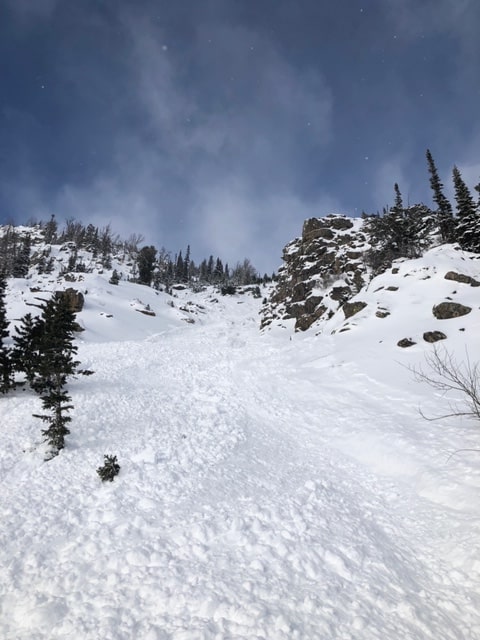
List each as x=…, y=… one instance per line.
x=223, y=124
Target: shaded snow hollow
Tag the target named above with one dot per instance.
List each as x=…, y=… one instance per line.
x=272, y=486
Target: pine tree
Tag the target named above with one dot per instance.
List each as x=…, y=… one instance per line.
x=218, y=274
x=21, y=262
x=468, y=215
x=210, y=267
x=186, y=266
x=6, y=369
x=55, y=344
x=56, y=402
x=399, y=233
x=50, y=232
x=115, y=278
x=398, y=207
x=146, y=264
x=55, y=364
x=446, y=222
x=179, y=267
x=26, y=349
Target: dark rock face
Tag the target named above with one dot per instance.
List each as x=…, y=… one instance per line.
x=322, y=270
x=405, y=342
x=74, y=298
x=341, y=294
x=447, y=310
x=434, y=336
x=351, y=308
x=460, y=277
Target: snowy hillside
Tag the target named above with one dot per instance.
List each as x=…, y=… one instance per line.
x=273, y=485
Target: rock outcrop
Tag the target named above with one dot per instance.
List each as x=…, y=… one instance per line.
x=448, y=310
x=74, y=298
x=461, y=277
x=322, y=270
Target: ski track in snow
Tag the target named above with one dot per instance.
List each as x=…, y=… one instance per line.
x=265, y=492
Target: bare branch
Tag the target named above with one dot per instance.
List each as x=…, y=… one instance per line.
x=447, y=375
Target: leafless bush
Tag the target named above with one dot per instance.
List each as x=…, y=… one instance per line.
x=446, y=374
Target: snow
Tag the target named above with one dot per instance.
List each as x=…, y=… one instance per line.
x=272, y=485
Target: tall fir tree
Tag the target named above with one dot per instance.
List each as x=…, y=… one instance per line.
x=446, y=223
x=186, y=266
x=468, y=215
x=55, y=365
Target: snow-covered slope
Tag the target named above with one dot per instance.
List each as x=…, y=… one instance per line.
x=275, y=486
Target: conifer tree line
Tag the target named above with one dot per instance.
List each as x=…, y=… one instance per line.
x=41, y=354
x=88, y=247
x=406, y=231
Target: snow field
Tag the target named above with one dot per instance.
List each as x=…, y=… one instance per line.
x=268, y=489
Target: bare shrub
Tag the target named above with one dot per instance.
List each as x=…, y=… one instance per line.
x=446, y=374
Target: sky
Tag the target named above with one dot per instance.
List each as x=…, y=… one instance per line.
x=224, y=124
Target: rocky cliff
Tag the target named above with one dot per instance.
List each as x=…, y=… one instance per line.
x=322, y=270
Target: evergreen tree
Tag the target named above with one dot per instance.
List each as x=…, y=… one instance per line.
x=218, y=273
x=399, y=233
x=26, y=349
x=179, y=267
x=8, y=250
x=57, y=402
x=115, y=278
x=55, y=344
x=55, y=364
x=210, y=267
x=477, y=189
x=468, y=215
x=186, y=266
x=446, y=222
x=146, y=264
x=398, y=207
x=50, y=232
x=6, y=369
x=203, y=271
x=21, y=262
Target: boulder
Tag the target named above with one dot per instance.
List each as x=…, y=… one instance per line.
x=351, y=308
x=405, y=342
x=434, y=336
x=74, y=298
x=447, y=310
x=461, y=277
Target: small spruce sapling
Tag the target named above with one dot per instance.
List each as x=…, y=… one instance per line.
x=110, y=468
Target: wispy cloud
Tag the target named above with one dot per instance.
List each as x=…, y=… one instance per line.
x=210, y=163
